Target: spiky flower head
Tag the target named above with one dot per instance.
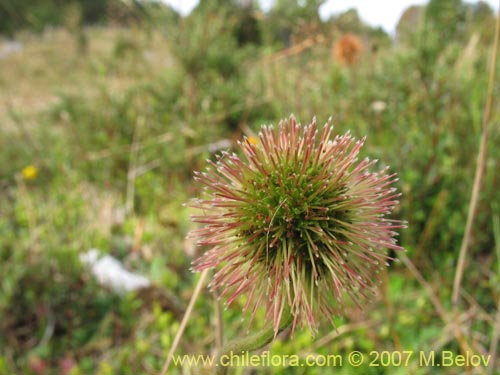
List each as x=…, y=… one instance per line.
x=296, y=222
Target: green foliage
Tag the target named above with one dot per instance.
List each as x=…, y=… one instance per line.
x=481, y=20
x=447, y=18
x=35, y=15
x=215, y=56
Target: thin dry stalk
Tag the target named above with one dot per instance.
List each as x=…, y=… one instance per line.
x=335, y=334
x=432, y=224
x=494, y=341
x=184, y=322
x=390, y=310
x=496, y=327
x=296, y=49
x=434, y=299
x=138, y=146
x=27, y=202
x=134, y=153
x=447, y=334
x=219, y=322
x=478, y=178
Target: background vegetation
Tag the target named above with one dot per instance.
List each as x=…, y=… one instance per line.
x=107, y=107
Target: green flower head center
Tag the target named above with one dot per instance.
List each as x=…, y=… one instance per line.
x=296, y=211
x=297, y=222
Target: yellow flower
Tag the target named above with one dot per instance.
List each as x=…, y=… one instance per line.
x=253, y=141
x=29, y=172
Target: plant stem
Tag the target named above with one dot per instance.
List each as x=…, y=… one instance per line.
x=478, y=178
x=252, y=342
x=184, y=321
x=476, y=188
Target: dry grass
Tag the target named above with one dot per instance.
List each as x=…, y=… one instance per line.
x=32, y=79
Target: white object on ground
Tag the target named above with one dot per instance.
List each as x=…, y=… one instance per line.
x=110, y=273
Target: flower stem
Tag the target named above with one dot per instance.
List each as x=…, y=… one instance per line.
x=252, y=342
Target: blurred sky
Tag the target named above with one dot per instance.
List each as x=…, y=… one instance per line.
x=383, y=13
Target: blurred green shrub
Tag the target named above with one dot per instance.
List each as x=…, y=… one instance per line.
x=16, y=15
